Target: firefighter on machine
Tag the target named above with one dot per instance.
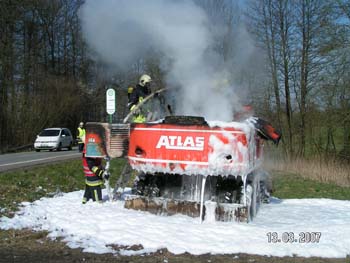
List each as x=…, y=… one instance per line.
x=94, y=173
x=81, y=136
x=135, y=96
x=141, y=91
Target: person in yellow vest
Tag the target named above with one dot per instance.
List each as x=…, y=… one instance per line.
x=141, y=91
x=81, y=136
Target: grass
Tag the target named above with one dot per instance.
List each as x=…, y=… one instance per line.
x=320, y=170
x=28, y=185
x=32, y=184
x=291, y=185
x=309, y=178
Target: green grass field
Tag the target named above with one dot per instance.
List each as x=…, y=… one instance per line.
x=32, y=184
x=289, y=185
x=28, y=185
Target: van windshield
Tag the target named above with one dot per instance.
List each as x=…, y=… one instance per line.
x=50, y=133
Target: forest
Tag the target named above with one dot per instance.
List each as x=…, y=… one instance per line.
x=296, y=73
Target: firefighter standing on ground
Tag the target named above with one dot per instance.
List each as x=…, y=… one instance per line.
x=81, y=136
x=94, y=175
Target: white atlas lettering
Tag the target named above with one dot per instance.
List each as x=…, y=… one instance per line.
x=163, y=141
x=172, y=140
x=200, y=142
x=180, y=143
x=189, y=142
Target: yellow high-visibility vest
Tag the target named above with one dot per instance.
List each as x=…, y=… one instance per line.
x=81, y=135
x=139, y=118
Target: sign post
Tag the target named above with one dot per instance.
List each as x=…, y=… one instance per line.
x=110, y=103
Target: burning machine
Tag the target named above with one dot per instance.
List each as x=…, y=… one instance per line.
x=189, y=166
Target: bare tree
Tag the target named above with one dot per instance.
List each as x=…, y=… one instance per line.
x=285, y=20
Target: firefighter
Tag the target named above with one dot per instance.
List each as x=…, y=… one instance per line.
x=94, y=175
x=137, y=95
x=81, y=136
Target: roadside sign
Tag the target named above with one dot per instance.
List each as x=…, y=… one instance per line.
x=110, y=101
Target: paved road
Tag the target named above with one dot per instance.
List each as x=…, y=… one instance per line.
x=13, y=161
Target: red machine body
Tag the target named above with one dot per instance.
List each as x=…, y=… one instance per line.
x=194, y=149
x=188, y=165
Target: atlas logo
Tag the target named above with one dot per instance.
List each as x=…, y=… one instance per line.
x=181, y=143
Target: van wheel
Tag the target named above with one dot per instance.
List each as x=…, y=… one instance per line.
x=37, y=150
x=59, y=148
x=70, y=146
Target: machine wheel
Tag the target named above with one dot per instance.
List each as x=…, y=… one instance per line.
x=37, y=150
x=59, y=148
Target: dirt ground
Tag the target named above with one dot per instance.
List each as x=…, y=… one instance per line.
x=29, y=246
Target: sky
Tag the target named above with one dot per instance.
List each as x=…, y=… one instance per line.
x=94, y=227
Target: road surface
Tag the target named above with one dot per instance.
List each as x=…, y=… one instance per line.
x=13, y=161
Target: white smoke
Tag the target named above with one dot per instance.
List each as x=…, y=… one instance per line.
x=122, y=31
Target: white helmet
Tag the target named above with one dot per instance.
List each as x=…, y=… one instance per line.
x=144, y=80
x=81, y=124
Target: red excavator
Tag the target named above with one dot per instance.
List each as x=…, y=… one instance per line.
x=187, y=165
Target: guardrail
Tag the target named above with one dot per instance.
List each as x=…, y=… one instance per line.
x=18, y=148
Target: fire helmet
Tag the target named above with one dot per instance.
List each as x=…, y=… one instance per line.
x=81, y=124
x=144, y=79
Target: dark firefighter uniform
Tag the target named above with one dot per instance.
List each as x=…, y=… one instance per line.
x=93, y=172
x=137, y=96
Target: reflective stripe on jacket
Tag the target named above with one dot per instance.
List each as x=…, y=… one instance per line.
x=91, y=178
x=140, y=117
x=137, y=96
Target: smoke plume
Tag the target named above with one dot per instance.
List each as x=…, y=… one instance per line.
x=122, y=31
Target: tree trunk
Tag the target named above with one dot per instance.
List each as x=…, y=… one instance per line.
x=304, y=72
x=284, y=33
x=270, y=35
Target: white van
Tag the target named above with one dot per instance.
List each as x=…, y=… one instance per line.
x=54, y=139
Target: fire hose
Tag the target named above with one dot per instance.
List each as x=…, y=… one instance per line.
x=106, y=181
